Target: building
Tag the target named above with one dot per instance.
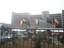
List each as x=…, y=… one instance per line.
x=62, y=16
x=19, y=16
x=56, y=16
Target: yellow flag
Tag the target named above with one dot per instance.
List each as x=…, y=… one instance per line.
x=35, y=21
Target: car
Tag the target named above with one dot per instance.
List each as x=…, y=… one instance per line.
x=8, y=37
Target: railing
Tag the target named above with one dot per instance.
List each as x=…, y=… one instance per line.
x=32, y=38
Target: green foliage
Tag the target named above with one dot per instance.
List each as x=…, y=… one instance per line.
x=37, y=43
x=49, y=41
x=42, y=37
x=62, y=40
x=14, y=38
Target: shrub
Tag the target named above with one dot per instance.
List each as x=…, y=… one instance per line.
x=37, y=43
x=62, y=40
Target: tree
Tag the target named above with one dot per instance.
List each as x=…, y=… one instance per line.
x=14, y=37
x=37, y=42
x=3, y=29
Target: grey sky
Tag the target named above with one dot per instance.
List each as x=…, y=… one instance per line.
x=31, y=6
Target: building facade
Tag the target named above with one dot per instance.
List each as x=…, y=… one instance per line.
x=41, y=23
x=62, y=16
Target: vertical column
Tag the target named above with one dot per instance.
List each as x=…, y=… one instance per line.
x=13, y=16
x=62, y=18
x=44, y=15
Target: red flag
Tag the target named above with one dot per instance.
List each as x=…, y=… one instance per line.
x=19, y=21
x=48, y=20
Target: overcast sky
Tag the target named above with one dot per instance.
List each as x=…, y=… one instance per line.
x=31, y=6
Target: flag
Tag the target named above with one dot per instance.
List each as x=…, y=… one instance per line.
x=56, y=23
x=36, y=21
x=20, y=21
x=41, y=20
x=48, y=20
x=26, y=21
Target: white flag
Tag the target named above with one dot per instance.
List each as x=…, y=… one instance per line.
x=21, y=22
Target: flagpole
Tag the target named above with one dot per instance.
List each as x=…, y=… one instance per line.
x=46, y=23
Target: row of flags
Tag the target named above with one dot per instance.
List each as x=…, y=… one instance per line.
x=55, y=22
x=41, y=20
x=23, y=21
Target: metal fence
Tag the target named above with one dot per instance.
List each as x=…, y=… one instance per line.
x=32, y=38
